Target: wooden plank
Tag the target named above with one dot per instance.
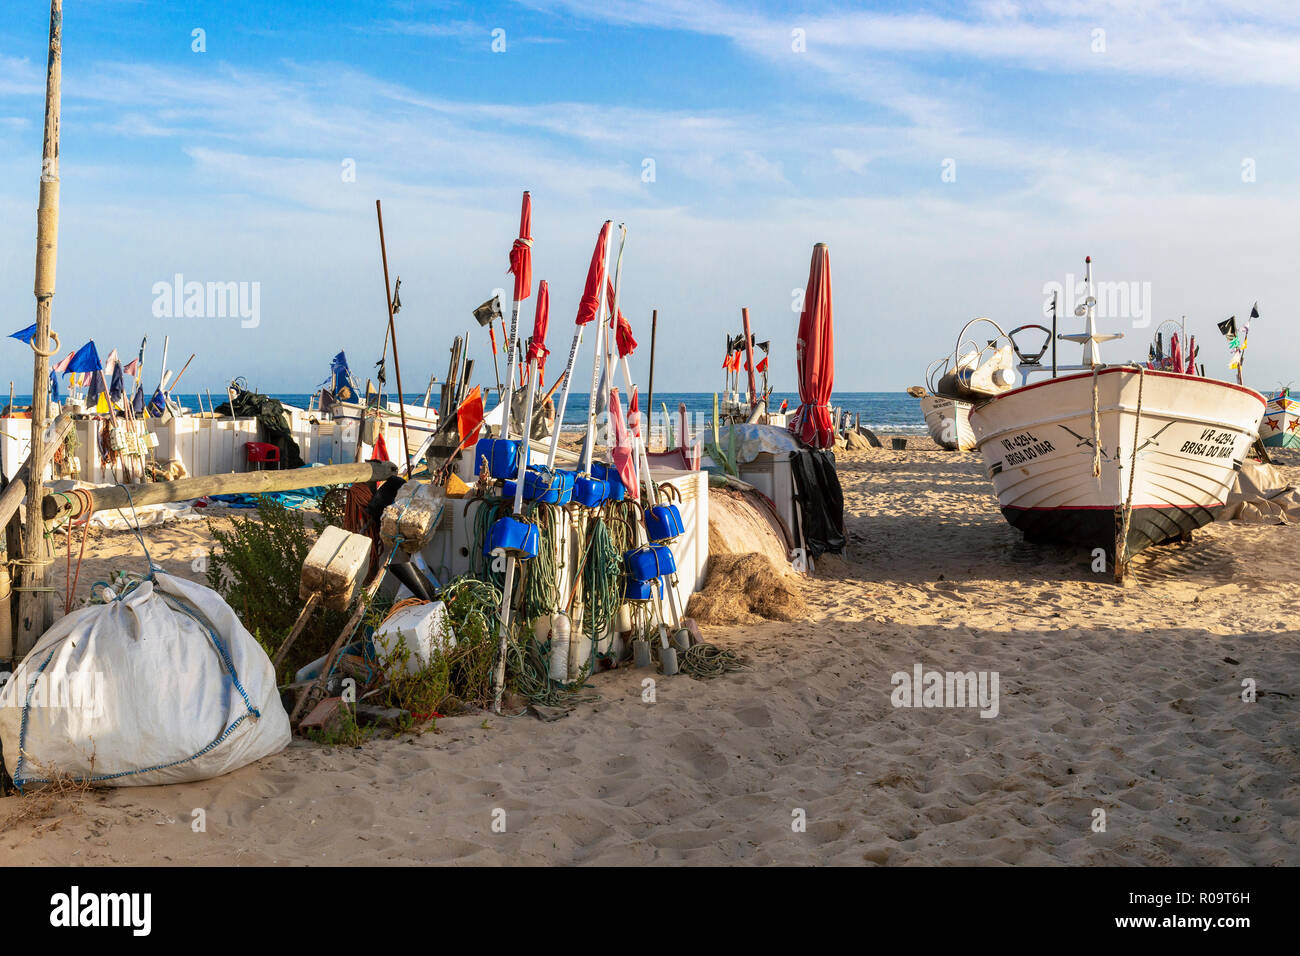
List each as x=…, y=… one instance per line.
x=244, y=483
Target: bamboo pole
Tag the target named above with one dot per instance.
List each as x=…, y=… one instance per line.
x=247, y=483
x=35, y=612
x=392, y=334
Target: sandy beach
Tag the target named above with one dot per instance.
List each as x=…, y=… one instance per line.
x=1125, y=700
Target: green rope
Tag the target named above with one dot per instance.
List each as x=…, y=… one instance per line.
x=601, y=577
x=542, y=574
x=707, y=661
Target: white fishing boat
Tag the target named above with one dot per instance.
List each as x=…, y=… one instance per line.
x=955, y=381
x=1118, y=457
x=1279, y=426
x=948, y=421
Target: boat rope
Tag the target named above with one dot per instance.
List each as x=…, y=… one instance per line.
x=1096, y=428
x=1121, y=546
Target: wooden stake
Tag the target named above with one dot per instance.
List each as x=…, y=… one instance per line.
x=35, y=610
x=392, y=334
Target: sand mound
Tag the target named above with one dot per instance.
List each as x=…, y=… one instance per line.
x=745, y=589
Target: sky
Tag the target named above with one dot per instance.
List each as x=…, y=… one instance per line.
x=958, y=158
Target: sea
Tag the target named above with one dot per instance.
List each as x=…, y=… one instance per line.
x=880, y=411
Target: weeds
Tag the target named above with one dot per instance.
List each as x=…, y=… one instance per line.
x=256, y=568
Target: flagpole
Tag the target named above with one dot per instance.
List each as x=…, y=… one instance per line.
x=650, y=398
x=584, y=464
x=610, y=337
x=392, y=334
x=35, y=612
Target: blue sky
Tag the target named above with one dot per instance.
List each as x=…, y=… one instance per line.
x=225, y=165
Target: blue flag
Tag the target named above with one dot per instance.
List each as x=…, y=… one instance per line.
x=117, y=388
x=54, y=389
x=341, y=384
x=157, y=404
x=86, y=359
x=137, y=403
x=29, y=333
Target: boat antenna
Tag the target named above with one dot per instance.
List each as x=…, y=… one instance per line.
x=1054, y=295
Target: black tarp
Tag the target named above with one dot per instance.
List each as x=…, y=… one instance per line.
x=272, y=426
x=821, y=501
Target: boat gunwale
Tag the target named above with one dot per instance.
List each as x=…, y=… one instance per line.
x=1109, y=369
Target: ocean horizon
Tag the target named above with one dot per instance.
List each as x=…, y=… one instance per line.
x=880, y=411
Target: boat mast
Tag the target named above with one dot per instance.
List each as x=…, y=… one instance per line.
x=1090, y=339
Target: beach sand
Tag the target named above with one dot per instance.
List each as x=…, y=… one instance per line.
x=1125, y=700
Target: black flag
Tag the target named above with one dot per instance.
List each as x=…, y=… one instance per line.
x=1254, y=311
x=1229, y=327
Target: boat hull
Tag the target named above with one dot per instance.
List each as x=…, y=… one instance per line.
x=948, y=421
x=1038, y=445
x=1279, y=426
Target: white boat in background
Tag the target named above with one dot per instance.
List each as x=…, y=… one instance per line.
x=948, y=421
x=1074, y=458
x=956, y=381
x=1279, y=426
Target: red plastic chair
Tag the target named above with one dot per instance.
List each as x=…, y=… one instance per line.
x=259, y=453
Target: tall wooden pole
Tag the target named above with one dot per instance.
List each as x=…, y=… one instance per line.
x=650, y=399
x=35, y=610
x=392, y=334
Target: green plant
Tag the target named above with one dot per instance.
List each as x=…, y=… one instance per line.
x=346, y=733
x=256, y=567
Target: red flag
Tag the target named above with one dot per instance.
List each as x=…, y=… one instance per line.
x=1191, y=356
x=537, y=344
x=381, y=450
x=762, y=364
x=521, y=253
x=62, y=367
x=623, y=335
x=622, y=328
x=634, y=413
x=622, y=453
x=469, y=416
x=589, y=305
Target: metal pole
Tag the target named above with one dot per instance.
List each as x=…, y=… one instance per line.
x=392, y=334
x=35, y=611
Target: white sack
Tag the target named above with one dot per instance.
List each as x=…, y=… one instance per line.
x=143, y=690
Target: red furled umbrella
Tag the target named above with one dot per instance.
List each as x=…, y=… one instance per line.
x=623, y=452
x=521, y=253
x=1176, y=353
x=589, y=305
x=815, y=356
x=537, y=350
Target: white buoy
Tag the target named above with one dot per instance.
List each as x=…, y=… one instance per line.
x=558, y=626
x=624, y=618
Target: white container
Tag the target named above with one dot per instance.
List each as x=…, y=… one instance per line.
x=421, y=627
